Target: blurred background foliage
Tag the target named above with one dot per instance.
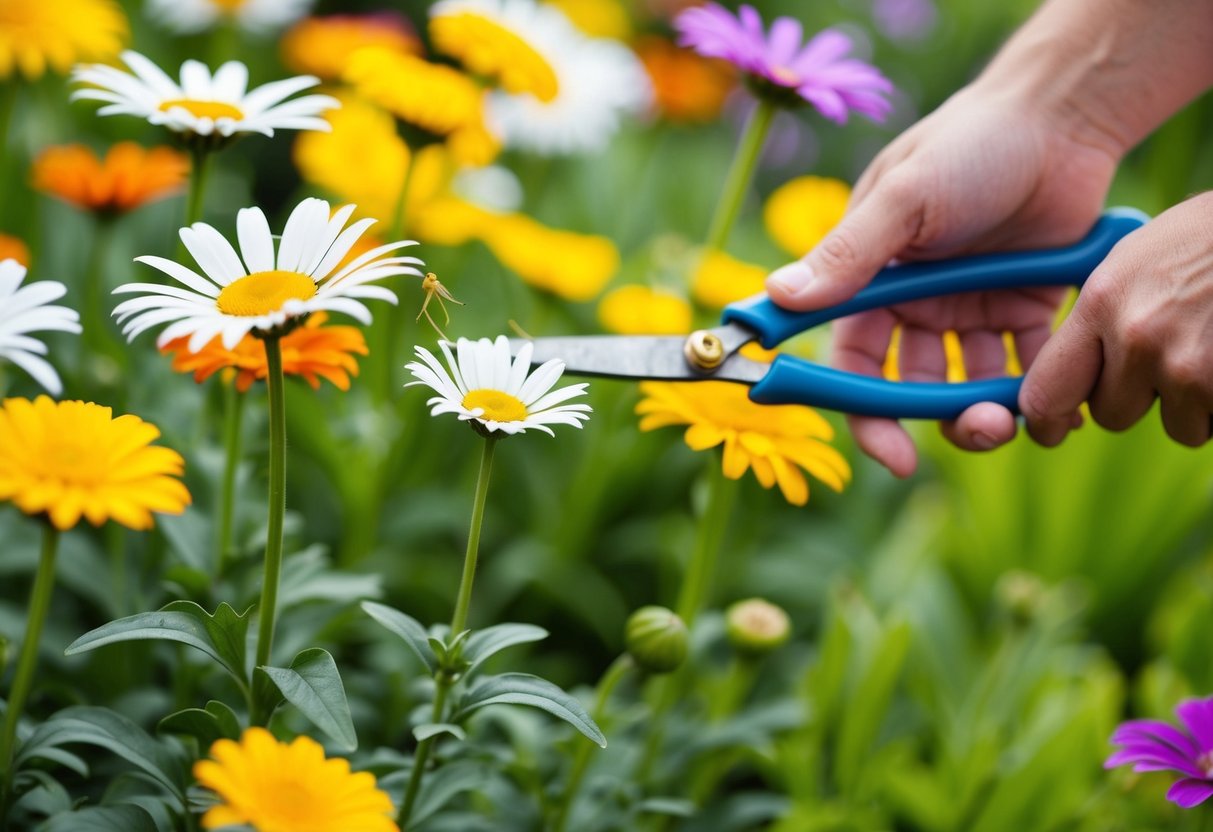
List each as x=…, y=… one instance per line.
x=964, y=641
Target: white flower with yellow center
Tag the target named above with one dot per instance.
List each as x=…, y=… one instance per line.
x=26, y=309
x=187, y=16
x=599, y=82
x=233, y=298
x=485, y=386
x=203, y=104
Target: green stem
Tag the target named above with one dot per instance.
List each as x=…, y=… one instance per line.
x=277, y=505
x=23, y=680
x=618, y=669
x=8, y=101
x=400, y=214
x=697, y=583
x=737, y=683
x=460, y=618
x=390, y=325
x=422, y=755
x=94, y=338
x=200, y=171
x=741, y=171
x=233, y=418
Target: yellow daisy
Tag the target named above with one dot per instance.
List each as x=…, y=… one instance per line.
x=490, y=38
x=800, y=213
x=69, y=460
x=322, y=46
x=37, y=35
x=274, y=786
x=775, y=441
x=640, y=310
x=721, y=279
x=570, y=265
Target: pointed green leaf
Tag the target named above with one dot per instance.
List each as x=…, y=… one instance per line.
x=408, y=628
x=434, y=729
x=313, y=685
x=525, y=689
x=484, y=643
x=441, y=786
x=124, y=818
x=221, y=636
x=193, y=722
x=671, y=806
x=229, y=723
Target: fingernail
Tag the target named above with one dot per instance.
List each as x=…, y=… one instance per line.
x=792, y=279
x=984, y=441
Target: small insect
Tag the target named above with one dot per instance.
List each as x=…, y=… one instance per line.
x=433, y=288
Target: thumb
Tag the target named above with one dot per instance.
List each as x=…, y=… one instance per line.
x=869, y=236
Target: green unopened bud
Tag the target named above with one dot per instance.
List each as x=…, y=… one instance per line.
x=656, y=639
x=756, y=626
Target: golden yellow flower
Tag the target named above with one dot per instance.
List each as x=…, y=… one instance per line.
x=640, y=310
x=721, y=279
x=127, y=178
x=37, y=35
x=597, y=18
x=13, y=248
x=73, y=459
x=775, y=441
x=322, y=46
x=313, y=351
x=451, y=221
x=800, y=213
x=435, y=98
x=686, y=86
x=482, y=38
x=274, y=786
x=570, y=265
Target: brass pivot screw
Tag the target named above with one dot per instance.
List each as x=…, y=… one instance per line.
x=704, y=350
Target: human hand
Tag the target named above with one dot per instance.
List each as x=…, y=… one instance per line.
x=983, y=173
x=1142, y=328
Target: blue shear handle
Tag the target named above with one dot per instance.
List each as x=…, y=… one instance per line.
x=1069, y=266
x=794, y=381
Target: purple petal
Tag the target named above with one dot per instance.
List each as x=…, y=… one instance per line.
x=825, y=47
x=751, y=20
x=1155, y=730
x=1197, y=714
x=1154, y=758
x=1190, y=792
x=827, y=101
x=784, y=41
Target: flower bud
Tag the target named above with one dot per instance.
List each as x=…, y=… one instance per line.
x=656, y=639
x=756, y=626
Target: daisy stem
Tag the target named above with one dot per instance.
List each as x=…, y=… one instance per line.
x=422, y=755
x=233, y=418
x=277, y=505
x=8, y=101
x=200, y=170
x=460, y=618
x=23, y=679
x=606, y=685
x=697, y=582
x=741, y=171
x=400, y=214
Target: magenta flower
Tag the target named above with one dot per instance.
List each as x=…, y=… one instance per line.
x=780, y=67
x=1151, y=745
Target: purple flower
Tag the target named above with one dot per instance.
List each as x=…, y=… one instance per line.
x=783, y=69
x=1151, y=745
x=904, y=19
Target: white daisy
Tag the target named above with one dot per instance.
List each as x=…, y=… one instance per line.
x=599, y=82
x=187, y=16
x=203, y=104
x=25, y=309
x=484, y=386
x=263, y=292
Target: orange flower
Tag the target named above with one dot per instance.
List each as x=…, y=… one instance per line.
x=127, y=178
x=686, y=87
x=322, y=46
x=313, y=351
x=12, y=248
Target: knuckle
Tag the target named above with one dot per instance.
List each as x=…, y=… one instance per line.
x=1100, y=297
x=1036, y=404
x=1140, y=332
x=1188, y=369
x=838, y=251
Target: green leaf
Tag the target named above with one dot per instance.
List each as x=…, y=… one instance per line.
x=106, y=729
x=484, y=643
x=102, y=819
x=310, y=578
x=216, y=722
x=525, y=689
x=408, y=628
x=434, y=729
x=313, y=685
x=672, y=806
x=441, y=786
x=222, y=636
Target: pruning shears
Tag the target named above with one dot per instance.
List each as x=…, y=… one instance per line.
x=713, y=353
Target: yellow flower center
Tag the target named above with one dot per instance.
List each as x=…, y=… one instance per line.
x=786, y=76
x=261, y=293
x=229, y=6
x=498, y=406
x=204, y=109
